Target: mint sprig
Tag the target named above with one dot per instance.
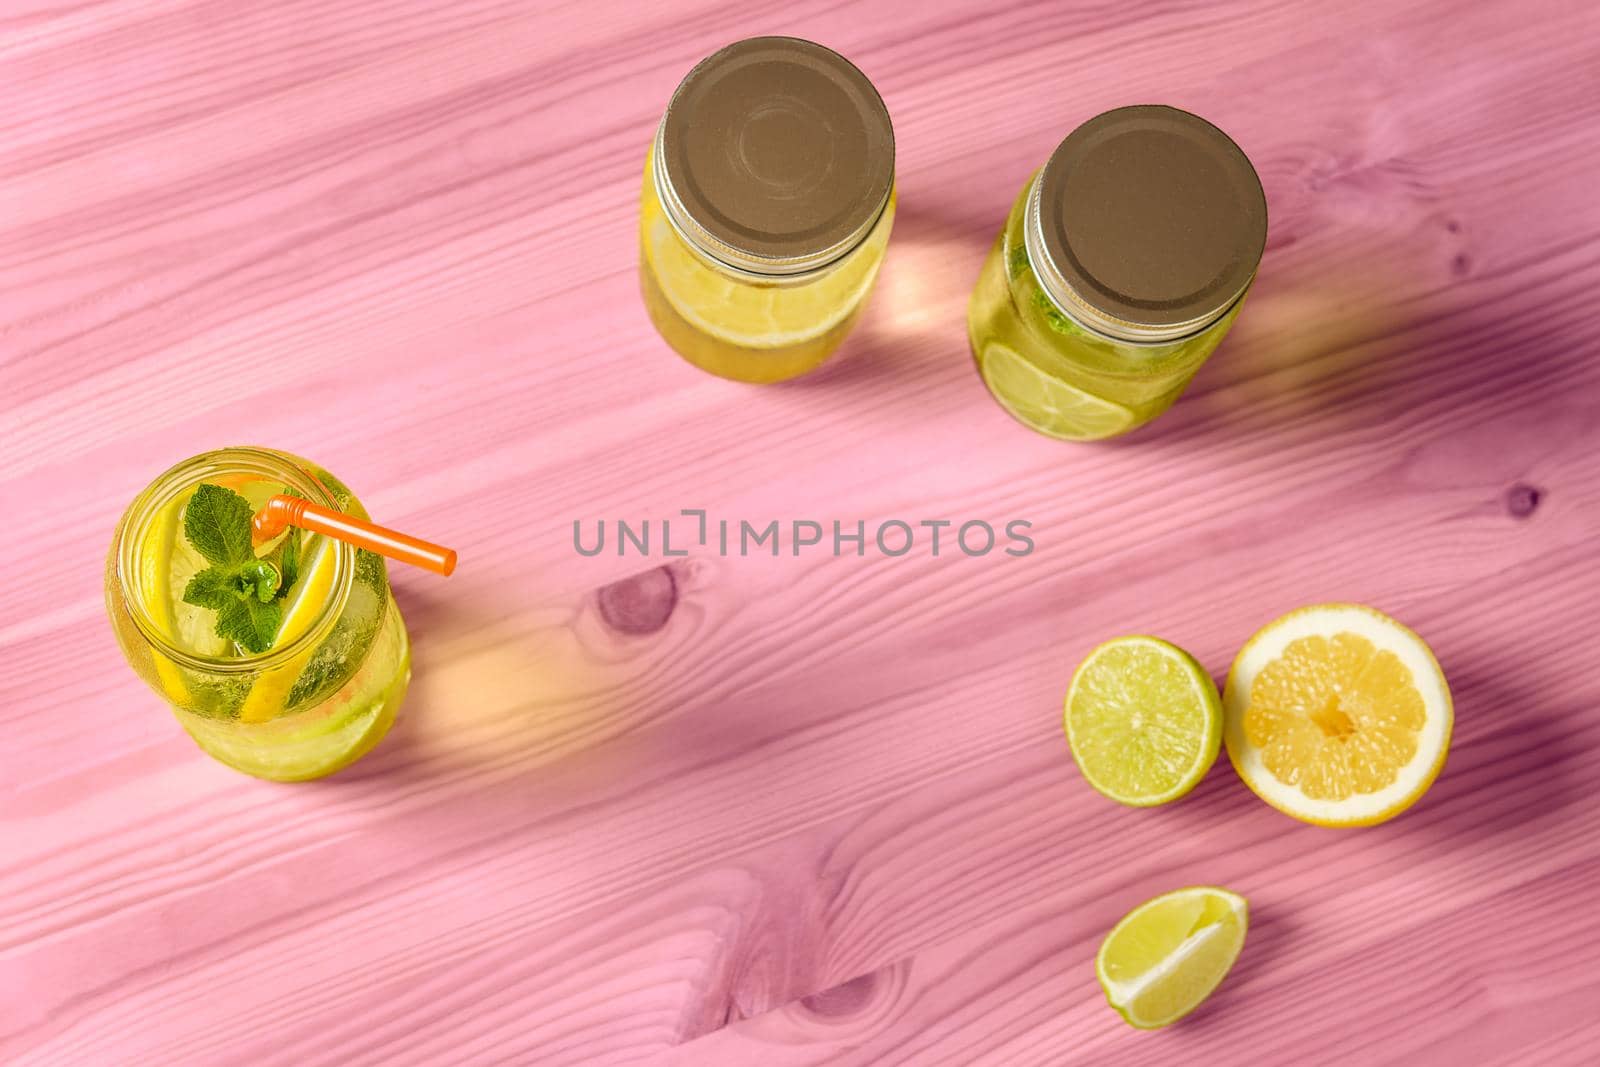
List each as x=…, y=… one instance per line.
x=241, y=588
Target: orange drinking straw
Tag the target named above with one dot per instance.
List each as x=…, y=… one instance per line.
x=282, y=511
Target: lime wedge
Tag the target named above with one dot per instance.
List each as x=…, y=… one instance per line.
x=1167, y=955
x=1144, y=720
x=1046, y=403
x=268, y=695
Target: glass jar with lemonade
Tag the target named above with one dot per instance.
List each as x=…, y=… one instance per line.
x=284, y=660
x=1123, y=263
x=767, y=203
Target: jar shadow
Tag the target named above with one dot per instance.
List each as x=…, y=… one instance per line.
x=914, y=324
x=496, y=683
x=1329, y=358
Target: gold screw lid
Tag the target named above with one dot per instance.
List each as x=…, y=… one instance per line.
x=1147, y=223
x=775, y=156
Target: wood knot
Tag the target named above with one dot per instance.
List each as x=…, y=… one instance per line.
x=641, y=603
x=846, y=998
x=1522, y=500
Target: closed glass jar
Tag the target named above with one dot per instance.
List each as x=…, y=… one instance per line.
x=766, y=208
x=1121, y=267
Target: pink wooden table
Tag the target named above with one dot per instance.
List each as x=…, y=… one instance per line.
x=787, y=811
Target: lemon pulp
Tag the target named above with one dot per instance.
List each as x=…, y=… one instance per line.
x=1335, y=716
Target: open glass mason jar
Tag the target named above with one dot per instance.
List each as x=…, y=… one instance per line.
x=288, y=680
x=767, y=203
x=1121, y=267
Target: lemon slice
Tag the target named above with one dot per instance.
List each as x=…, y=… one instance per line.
x=1048, y=404
x=269, y=693
x=752, y=315
x=165, y=561
x=155, y=594
x=1167, y=955
x=1337, y=715
x=1143, y=720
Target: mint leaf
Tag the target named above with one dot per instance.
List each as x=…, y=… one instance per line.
x=259, y=578
x=244, y=599
x=1018, y=261
x=211, y=588
x=289, y=561
x=250, y=622
x=287, y=554
x=217, y=523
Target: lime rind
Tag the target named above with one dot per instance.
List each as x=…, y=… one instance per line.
x=1045, y=403
x=1143, y=720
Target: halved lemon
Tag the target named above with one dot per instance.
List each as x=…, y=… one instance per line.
x=1169, y=954
x=1045, y=403
x=1143, y=720
x=751, y=315
x=269, y=692
x=1337, y=715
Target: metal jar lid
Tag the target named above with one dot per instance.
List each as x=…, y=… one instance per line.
x=1146, y=224
x=775, y=156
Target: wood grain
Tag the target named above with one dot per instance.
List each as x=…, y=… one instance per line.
x=797, y=810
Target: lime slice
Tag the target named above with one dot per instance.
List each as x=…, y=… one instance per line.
x=1167, y=955
x=1144, y=720
x=1338, y=715
x=268, y=696
x=1048, y=404
x=750, y=315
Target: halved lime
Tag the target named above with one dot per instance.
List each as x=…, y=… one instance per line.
x=1046, y=403
x=1144, y=720
x=1167, y=955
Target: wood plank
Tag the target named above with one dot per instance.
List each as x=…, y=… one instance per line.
x=823, y=813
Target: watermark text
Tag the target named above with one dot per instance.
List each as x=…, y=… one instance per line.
x=693, y=529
